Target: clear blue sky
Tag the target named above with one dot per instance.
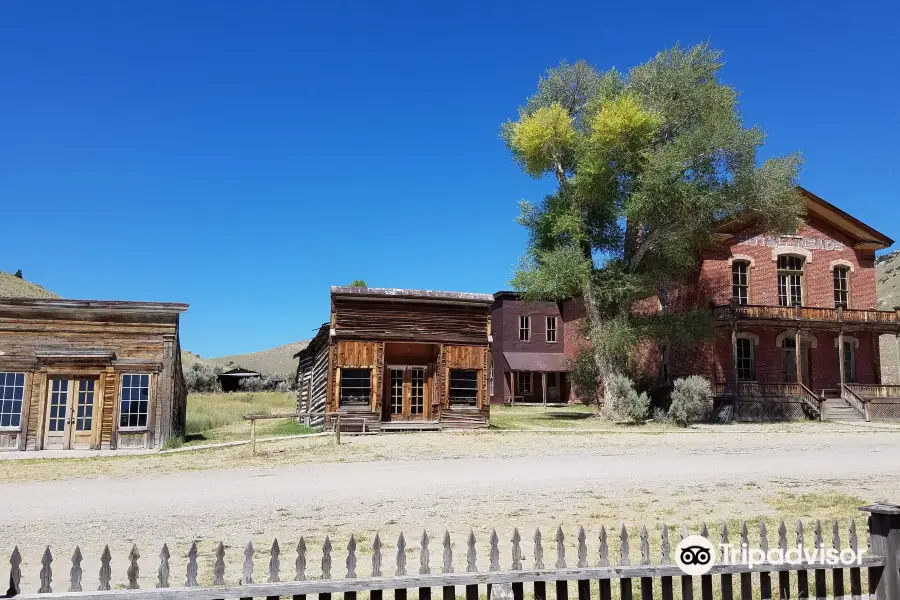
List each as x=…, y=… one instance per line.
x=243, y=156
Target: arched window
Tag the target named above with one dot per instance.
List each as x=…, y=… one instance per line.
x=740, y=281
x=841, y=287
x=790, y=280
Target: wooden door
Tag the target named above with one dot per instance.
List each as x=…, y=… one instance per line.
x=407, y=396
x=70, y=413
x=56, y=436
x=81, y=421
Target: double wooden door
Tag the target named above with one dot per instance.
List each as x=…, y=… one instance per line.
x=70, y=413
x=407, y=393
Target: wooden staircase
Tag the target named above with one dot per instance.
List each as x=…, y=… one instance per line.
x=838, y=409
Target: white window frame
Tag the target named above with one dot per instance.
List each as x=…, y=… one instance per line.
x=525, y=327
x=735, y=265
x=3, y=400
x=788, y=275
x=519, y=387
x=146, y=426
x=549, y=329
x=846, y=291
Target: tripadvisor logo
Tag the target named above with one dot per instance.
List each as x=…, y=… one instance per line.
x=694, y=555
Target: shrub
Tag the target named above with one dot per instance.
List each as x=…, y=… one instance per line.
x=201, y=377
x=624, y=402
x=690, y=400
x=252, y=384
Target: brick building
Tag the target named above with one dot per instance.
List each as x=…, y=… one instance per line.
x=797, y=325
x=532, y=345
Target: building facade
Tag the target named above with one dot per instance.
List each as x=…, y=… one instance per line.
x=798, y=333
x=400, y=359
x=531, y=348
x=78, y=374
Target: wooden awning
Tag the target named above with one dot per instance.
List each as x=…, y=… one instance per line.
x=546, y=362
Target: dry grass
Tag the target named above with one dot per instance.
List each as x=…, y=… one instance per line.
x=575, y=417
x=13, y=287
x=220, y=417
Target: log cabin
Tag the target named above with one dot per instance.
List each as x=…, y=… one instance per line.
x=398, y=359
x=85, y=374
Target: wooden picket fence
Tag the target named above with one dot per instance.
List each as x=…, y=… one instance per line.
x=662, y=579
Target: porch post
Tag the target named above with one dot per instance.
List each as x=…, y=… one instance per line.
x=513, y=383
x=797, y=359
x=898, y=358
x=544, y=387
x=734, y=360
x=841, y=358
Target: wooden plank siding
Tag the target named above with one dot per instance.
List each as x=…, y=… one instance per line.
x=381, y=328
x=72, y=339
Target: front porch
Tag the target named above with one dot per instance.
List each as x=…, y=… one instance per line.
x=801, y=362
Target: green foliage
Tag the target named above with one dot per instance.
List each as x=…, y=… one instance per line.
x=690, y=400
x=202, y=377
x=585, y=377
x=539, y=139
x=648, y=164
x=18, y=274
x=358, y=283
x=624, y=402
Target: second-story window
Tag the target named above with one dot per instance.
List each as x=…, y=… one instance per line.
x=524, y=329
x=841, y=287
x=551, y=329
x=790, y=280
x=740, y=282
x=664, y=299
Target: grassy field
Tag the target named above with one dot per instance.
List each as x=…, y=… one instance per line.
x=576, y=417
x=219, y=417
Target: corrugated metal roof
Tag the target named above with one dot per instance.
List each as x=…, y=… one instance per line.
x=337, y=290
x=547, y=362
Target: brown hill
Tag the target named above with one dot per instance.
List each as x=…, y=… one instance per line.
x=13, y=287
x=274, y=361
x=887, y=268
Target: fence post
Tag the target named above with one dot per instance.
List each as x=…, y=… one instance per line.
x=337, y=430
x=253, y=436
x=884, y=581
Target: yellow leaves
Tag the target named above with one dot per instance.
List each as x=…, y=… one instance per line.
x=623, y=124
x=539, y=139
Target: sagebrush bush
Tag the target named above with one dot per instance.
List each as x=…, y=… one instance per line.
x=201, y=377
x=690, y=400
x=624, y=401
x=252, y=384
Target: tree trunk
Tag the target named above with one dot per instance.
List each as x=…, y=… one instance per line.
x=595, y=322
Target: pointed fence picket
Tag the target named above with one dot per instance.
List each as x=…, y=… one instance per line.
x=654, y=570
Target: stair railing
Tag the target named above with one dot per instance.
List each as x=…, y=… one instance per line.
x=853, y=399
x=812, y=401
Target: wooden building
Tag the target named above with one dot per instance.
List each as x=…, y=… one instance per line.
x=81, y=374
x=230, y=381
x=400, y=359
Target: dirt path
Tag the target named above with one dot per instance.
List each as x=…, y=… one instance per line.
x=674, y=478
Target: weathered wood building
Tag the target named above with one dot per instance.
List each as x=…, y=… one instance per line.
x=400, y=359
x=81, y=374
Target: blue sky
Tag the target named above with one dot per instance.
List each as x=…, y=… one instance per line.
x=243, y=156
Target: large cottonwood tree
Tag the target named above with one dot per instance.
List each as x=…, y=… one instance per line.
x=646, y=164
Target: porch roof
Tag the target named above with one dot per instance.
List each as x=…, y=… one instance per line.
x=546, y=362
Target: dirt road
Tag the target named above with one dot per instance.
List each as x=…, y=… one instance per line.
x=633, y=478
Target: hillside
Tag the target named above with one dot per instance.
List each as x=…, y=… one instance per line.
x=888, y=271
x=13, y=287
x=278, y=360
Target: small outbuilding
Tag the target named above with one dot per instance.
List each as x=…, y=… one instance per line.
x=231, y=380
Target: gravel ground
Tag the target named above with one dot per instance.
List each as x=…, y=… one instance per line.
x=481, y=481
